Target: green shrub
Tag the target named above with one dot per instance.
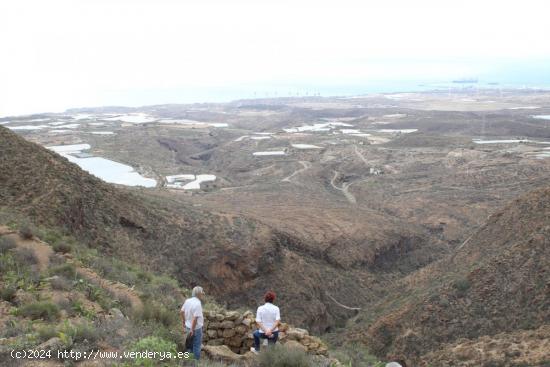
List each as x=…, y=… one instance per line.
x=46, y=332
x=25, y=256
x=60, y=283
x=6, y=244
x=93, y=293
x=157, y=313
x=27, y=231
x=152, y=344
x=79, y=309
x=461, y=285
x=51, y=236
x=281, y=356
x=62, y=247
x=39, y=310
x=7, y=293
x=67, y=270
x=81, y=332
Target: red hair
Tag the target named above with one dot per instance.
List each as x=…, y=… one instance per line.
x=269, y=296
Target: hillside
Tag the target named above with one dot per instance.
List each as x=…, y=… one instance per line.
x=233, y=256
x=53, y=192
x=487, y=303
x=61, y=297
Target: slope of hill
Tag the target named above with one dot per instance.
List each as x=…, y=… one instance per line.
x=489, y=299
x=69, y=302
x=236, y=258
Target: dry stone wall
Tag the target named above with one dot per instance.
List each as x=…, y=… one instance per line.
x=234, y=330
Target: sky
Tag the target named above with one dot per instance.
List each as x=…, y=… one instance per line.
x=59, y=54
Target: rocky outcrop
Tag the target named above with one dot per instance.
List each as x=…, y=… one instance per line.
x=234, y=330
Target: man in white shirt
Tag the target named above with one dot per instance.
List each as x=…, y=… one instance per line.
x=193, y=320
x=268, y=318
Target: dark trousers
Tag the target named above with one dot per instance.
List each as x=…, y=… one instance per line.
x=270, y=340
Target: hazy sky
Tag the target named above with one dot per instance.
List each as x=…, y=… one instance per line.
x=60, y=54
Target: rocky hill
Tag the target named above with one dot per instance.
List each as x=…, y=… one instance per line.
x=54, y=192
x=487, y=304
x=234, y=256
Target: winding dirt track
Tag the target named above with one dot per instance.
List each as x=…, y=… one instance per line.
x=305, y=165
x=360, y=155
x=349, y=196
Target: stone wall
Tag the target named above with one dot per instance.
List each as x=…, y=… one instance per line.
x=235, y=329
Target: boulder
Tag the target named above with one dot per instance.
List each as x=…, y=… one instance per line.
x=214, y=342
x=212, y=333
x=241, y=329
x=232, y=315
x=322, y=350
x=53, y=344
x=228, y=333
x=235, y=350
x=247, y=314
x=116, y=314
x=227, y=324
x=235, y=341
x=313, y=346
x=296, y=334
x=214, y=325
x=222, y=353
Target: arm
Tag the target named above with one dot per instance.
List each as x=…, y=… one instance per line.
x=261, y=327
x=277, y=321
x=259, y=322
x=193, y=324
x=182, y=316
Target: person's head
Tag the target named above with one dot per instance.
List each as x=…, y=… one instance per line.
x=197, y=292
x=269, y=297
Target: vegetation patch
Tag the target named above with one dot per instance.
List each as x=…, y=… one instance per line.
x=62, y=247
x=67, y=270
x=7, y=293
x=39, y=310
x=60, y=283
x=6, y=244
x=25, y=256
x=152, y=344
x=27, y=231
x=281, y=356
x=461, y=285
x=155, y=312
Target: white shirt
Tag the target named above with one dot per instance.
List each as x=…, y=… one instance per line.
x=192, y=307
x=267, y=315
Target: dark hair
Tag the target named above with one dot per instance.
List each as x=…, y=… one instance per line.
x=269, y=297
